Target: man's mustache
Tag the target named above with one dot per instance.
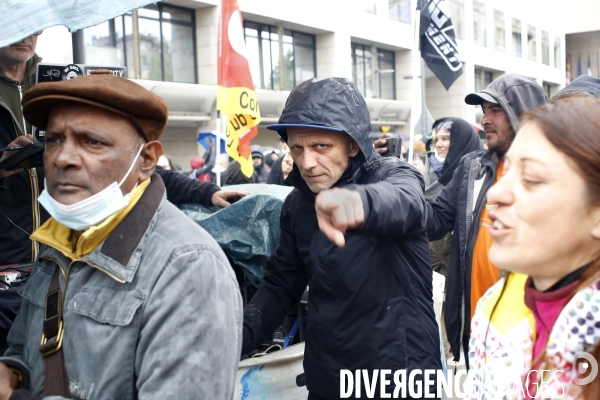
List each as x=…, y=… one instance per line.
x=24, y=42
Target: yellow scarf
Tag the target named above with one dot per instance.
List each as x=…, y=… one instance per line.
x=74, y=245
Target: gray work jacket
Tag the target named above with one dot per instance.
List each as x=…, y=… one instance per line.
x=154, y=312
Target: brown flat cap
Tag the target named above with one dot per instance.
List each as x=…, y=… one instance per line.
x=147, y=111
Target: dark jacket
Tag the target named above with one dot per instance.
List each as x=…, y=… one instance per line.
x=19, y=212
x=460, y=204
x=276, y=174
x=370, y=302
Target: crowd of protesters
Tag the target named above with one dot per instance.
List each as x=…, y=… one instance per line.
x=153, y=309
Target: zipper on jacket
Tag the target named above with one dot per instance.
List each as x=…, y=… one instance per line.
x=36, y=214
x=21, y=97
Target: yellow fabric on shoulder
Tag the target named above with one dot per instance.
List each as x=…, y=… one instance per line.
x=511, y=308
x=74, y=246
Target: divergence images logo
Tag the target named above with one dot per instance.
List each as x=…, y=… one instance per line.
x=586, y=368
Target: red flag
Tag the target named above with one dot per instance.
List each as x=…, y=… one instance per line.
x=236, y=97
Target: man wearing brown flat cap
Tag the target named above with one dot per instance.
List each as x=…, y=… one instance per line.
x=129, y=298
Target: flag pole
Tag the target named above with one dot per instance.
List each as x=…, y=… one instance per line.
x=416, y=94
x=218, y=146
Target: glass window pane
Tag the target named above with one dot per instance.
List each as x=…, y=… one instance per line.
x=517, y=42
x=368, y=6
x=304, y=63
x=250, y=32
x=275, y=72
x=129, y=45
x=150, y=49
x=254, y=58
x=557, y=53
x=479, y=24
x=176, y=14
x=400, y=10
x=531, y=43
x=288, y=57
x=545, y=48
x=178, y=48
x=386, y=74
x=499, y=31
x=266, y=61
x=457, y=13
x=104, y=43
x=149, y=11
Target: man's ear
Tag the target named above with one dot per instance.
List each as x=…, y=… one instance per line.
x=354, y=149
x=150, y=155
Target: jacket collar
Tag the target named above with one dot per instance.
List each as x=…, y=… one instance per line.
x=490, y=159
x=119, y=254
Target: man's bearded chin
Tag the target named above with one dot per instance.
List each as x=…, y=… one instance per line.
x=14, y=56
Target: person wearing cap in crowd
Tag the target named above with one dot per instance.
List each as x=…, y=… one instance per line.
x=353, y=229
x=462, y=207
x=258, y=160
x=20, y=212
x=582, y=86
x=114, y=295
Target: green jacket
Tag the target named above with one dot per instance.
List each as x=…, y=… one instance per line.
x=11, y=92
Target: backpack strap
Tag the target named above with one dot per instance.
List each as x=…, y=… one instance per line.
x=56, y=381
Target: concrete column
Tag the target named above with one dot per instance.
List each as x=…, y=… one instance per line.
x=207, y=33
x=334, y=55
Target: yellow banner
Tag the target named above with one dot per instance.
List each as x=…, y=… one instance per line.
x=242, y=115
x=238, y=100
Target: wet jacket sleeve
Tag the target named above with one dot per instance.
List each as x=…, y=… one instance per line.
x=181, y=189
x=395, y=205
x=197, y=299
x=283, y=284
x=441, y=212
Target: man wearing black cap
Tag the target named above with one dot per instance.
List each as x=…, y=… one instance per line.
x=129, y=298
x=462, y=206
x=353, y=229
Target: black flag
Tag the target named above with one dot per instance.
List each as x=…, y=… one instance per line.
x=437, y=41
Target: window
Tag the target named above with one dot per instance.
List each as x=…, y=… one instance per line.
x=482, y=79
x=400, y=10
x=457, y=13
x=167, y=43
x=517, y=41
x=105, y=43
x=362, y=73
x=386, y=73
x=262, y=42
x=368, y=6
x=531, y=43
x=479, y=31
x=545, y=48
x=499, y=31
x=557, y=53
x=548, y=89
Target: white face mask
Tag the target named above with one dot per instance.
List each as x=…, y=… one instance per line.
x=91, y=211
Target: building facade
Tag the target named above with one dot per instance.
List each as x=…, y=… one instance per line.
x=171, y=48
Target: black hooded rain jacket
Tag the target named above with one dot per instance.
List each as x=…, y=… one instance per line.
x=370, y=302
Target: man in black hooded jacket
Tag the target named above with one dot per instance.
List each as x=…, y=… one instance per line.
x=353, y=229
x=462, y=205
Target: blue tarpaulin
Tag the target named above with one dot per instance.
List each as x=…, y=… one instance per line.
x=248, y=231
x=22, y=18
